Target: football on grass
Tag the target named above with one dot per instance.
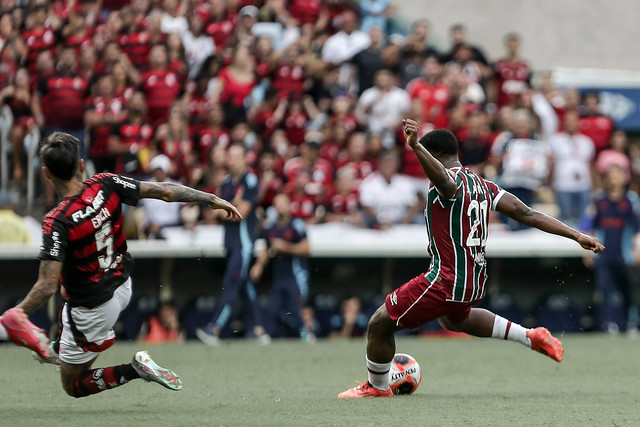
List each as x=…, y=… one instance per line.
x=405, y=374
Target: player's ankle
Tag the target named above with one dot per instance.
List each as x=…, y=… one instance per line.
x=378, y=374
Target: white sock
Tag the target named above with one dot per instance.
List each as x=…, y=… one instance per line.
x=4, y=336
x=504, y=329
x=378, y=374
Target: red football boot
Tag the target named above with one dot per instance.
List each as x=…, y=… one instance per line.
x=543, y=342
x=365, y=390
x=23, y=333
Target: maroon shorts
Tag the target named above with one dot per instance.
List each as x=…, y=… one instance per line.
x=418, y=302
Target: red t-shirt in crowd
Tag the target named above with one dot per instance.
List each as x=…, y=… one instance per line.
x=161, y=88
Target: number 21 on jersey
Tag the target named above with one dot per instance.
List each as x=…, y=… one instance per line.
x=478, y=213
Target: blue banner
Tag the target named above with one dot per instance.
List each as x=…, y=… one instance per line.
x=623, y=105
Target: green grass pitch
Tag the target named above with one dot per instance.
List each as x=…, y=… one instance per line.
x=466, y=382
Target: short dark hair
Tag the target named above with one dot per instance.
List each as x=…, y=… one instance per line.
x=60, y=153
x=440, y=142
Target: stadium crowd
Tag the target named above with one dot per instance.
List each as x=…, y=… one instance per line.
x=314, y=90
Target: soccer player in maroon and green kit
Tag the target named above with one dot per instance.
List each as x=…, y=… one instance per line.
x=456, y=214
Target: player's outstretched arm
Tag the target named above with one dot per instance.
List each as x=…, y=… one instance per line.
x=44, y=288
x=172, y=192
x=514, y=208
x=435, y=171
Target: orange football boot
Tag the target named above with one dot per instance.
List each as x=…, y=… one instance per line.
x=543, y=342
x=365, y=389
x=25, y=334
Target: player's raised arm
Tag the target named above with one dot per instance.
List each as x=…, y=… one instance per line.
x=435, y=171
x=172, y=192
x=514, y=208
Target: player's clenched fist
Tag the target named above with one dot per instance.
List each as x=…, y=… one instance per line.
x=411, y=128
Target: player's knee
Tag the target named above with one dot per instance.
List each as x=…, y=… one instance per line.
x=71, y=387
x=72, y=391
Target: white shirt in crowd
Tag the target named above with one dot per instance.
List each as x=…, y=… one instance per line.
x=197, y=49
x=390, y=200
x=160, y=212
x=386, y=111
x=572, y=157
x=525, y=162
x=341, y=46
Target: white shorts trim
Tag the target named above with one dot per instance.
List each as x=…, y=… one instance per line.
x=414, y=303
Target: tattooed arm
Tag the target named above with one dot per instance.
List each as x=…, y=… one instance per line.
x=47, y=285
x=172, y=192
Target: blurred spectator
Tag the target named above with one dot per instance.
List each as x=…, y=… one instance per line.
x=234, y=85
x=594, y=123
x=172, y=139
x=475, y=142
x=177, y=57
x=213, y=133
x=13, y=228
x=61, y=98
x=512, y=73
x=431, y=89
x=341, y=47
x=160, y=85
x=473, y=70
x=355, y=157
x=165, y=327
x=270, y=176
x=617, y=154
x=12, y=49
x=173, y=20
x=320, y=169
x=418, y=41
x=158, y=213
x=197, y=45
x=376, y=13
x=344, y=201
x=368, y=61
x=130, y=141
x=613, y=217
x=388, y=197
x=573, y=167
x=522, y=159
x=17, y=95
x=304, y=196
x=137, y=41
x=241, y=187
x=38, y=35
x=382, y=107
x=103, y=111
x=219, y=24
x=288, y=249
x=351, y=322
x=458, y=34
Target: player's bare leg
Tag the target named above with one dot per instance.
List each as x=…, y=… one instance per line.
x=483, y=323
x=381, y=346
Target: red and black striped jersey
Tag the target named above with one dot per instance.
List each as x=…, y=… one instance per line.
x=84, y=233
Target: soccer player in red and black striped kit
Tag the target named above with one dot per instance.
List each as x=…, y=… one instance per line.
x=84, y=250
x=456, y=215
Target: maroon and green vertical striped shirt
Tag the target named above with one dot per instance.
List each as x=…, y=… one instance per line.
x=457, y=232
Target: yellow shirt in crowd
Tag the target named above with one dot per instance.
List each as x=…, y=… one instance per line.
x=13, y=229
